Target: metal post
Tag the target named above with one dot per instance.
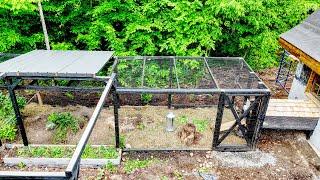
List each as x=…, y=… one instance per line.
x=170, y=84
x=116, y=105
x=281, y=63
x=219, y=117
x=260, y=119
x=18, y=114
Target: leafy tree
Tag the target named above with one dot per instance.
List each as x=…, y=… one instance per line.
x=248, y=28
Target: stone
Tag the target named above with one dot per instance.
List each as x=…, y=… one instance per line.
x=191, y=154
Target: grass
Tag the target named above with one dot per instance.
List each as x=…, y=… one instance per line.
x=67, y=152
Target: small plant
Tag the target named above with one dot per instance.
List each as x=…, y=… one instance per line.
x=141, y=126
x=69, y=95
x=178, y=175
x=183, y=119
x=200, y=124
x=66, y=152
x=21, y=165
x=122, y=142
x=146, y=98
x=111, y=168
x=7, y=117
x=64, y=122
x=101, y=151
x=133, y=165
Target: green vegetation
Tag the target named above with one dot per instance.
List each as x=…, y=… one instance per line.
x=248, y=28
x=183, y=119
x=67, y=152
x=8, y=130
x=62, y=123
x=146, y=98
x=69, y=95
x=201, y=124
x=111, y=168
x=122, y=142
x=133, y=165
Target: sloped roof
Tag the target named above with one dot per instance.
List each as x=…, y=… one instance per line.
x=306, y=36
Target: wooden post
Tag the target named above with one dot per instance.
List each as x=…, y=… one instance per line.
x=310, y=81
x=44, y=27
x=46, y=39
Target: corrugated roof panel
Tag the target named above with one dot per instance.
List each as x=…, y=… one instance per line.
x=56, y=63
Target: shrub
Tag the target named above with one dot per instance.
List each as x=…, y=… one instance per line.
x=8, y=130
x=64, y=122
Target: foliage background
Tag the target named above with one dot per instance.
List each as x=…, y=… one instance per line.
x=248, y=28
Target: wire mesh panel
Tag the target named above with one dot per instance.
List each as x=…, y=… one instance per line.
x=146, y=127
x=247, y=117
x=207, y=97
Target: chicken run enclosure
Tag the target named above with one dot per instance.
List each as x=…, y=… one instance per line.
x=210, y=103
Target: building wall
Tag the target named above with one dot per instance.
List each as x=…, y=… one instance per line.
x=298, y=88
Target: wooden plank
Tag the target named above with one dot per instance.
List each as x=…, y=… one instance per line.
x=310, y=81
x=305, y=58
x=290, y=123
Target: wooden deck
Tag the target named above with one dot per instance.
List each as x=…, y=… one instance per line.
x=289, y=114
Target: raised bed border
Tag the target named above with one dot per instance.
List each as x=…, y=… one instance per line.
x=57, y=162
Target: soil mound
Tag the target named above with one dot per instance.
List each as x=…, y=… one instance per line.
x=189, y=135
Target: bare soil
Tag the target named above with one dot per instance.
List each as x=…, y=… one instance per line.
x=268, y=76
x=142, y=127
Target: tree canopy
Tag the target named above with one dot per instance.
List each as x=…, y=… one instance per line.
x=248, y=28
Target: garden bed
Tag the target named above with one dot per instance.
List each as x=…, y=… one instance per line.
x=140, y=127
x=59, y=156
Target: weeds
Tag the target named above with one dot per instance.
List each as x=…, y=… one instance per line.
x=111, y=168
x=133, y=165
x=122, y=142
x=22, y=165
x=7, y=117
x=200, y=124
x=69, y=95
x=146, y=98
x=183, y=119
x=62, y=123
x=67, y=152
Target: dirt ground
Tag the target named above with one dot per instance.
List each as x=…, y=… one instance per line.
x=279, y=154
x=142, y=127
x=268, y=76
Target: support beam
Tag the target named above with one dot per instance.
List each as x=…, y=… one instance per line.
x=302, y=56
x=218, y=122
x=170, y=84
x=211, y=74
x=72, y=168
x=18, y=115
x=116, y=106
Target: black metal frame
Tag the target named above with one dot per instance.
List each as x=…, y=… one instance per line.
x=255, y=114
x=256, y=111
x=284, y=71
x=72, y=170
